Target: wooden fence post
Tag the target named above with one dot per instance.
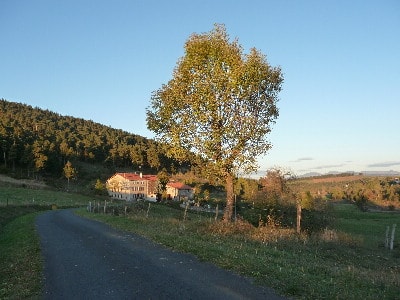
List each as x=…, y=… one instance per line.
x=186, y=208
x=148, y=209
x=392, y=237
x=298, y=224
x=387, y=237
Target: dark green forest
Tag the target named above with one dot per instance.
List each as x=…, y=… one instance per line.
x=37, y=143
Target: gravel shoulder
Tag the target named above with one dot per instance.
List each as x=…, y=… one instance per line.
x=86, y=259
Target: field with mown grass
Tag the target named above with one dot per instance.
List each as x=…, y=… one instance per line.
x=348, y=261
x=20, y=256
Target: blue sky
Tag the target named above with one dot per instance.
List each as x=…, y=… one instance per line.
x=101, y=60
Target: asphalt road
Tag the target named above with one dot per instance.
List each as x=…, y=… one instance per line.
x=85, y=259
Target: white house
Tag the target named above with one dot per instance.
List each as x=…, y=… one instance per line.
x=179, y=191
x=132, y=186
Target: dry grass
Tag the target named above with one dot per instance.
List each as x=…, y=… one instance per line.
x=30, y=183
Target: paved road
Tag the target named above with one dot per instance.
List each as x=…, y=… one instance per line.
x=85, y=259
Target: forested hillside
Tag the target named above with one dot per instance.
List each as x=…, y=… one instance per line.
x=40, y=142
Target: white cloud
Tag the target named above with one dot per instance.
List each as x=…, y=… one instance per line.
x=303, y=159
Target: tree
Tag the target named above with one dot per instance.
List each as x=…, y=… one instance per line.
x=69, y=171
x=275, y=182
x=220, y=104
x=99, y=187
x=153, y=159
x=137, y=154
x=246, y=188
x=163, y=179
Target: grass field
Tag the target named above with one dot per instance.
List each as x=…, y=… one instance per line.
x=24, y=196
x=347, y=262
x=370, y=227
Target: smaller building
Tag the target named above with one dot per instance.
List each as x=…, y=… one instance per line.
x=179, y=191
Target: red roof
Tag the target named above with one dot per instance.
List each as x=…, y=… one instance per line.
x=137, y=177
x=179, y=186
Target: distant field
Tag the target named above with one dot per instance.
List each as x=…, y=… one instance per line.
x=337, y=178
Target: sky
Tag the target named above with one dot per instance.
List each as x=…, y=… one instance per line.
x=101, y=60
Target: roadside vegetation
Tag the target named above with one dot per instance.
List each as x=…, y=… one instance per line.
x=347, y=262
x=20, y=259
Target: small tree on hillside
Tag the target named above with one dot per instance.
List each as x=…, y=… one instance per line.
x=220, y=105
x=99, y=187
x=69, y=172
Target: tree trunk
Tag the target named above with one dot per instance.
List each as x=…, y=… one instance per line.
x=230, y=201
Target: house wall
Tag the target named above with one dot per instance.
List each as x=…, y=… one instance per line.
x=131, y=187
x=121, y=188
x=178, y=194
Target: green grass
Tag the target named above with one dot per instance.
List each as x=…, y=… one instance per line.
x=20, y=259
x=352, y=264
x=368, y=226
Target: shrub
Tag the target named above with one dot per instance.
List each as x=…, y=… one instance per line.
x=277, y=214
x=315, y=220
x=240, y=227
x=361, y=201
x=316, y=216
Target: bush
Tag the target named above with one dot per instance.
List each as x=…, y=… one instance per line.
x=284, y=215
x=315, y=218
x=361, y=202
x=240, y=227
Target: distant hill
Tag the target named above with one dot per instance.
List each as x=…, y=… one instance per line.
x=381, y=173
x=34, y=141
x=366, y=173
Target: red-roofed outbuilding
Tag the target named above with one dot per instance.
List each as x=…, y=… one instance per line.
x=179, y=191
